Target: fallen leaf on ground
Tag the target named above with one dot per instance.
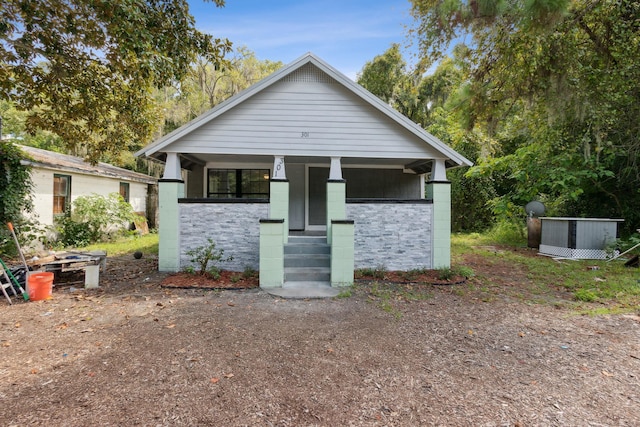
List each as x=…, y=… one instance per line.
x=607, y=374
x=231, y=304
x=214, y=380
x=229, y=376
x=173, y=325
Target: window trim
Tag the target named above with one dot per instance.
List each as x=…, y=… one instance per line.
x=127, y=196
x=67, y=196
x=239, y=191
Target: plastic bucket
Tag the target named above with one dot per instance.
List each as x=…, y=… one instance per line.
x=40, y=285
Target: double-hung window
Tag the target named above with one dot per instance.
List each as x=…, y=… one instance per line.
x=124, y=191
x=61, y=193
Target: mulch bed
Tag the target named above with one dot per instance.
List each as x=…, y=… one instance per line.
x=231, y=280
x=228, y=280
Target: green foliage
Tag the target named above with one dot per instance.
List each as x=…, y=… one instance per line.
x=90, y=82
x=207, y=257
x=377, y=273
x=611, y=284
x=249, y=272
x=147, y=244
x=206, y=85
x=555, y=86
x=15, y=183
x=508, y=233
x=93, y=218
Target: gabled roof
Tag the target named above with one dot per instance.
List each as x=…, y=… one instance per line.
x=163, y=144
x=65, y=163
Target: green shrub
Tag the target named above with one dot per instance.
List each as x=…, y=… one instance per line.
x=94, y=218
x=204, y=255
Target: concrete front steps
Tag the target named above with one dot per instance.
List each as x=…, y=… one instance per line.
x=307, y=269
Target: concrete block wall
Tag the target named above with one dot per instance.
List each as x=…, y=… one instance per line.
x=394, y=235
x=235, y=227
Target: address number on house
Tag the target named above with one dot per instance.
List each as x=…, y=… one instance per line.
x=304, y=135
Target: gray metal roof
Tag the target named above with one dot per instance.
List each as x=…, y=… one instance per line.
x=65, y=163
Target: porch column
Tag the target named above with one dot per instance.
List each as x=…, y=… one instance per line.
x=279, y=195
x=271, y=253
x=342, y=252
x=170, y=189
x=336, y=195
x=439, y=190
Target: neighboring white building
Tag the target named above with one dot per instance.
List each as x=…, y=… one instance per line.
x=59, y=179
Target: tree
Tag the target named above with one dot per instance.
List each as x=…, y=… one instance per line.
x=85, y=69
x=555, y=85
x=425, y=99
x=206, y=85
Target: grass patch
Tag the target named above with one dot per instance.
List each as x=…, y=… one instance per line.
x=611, y=284
x=389, y=296
x=147, y=244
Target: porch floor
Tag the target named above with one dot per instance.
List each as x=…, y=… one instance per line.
x=304, y=290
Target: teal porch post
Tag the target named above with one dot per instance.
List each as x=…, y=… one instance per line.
x=439, y=190
x=279, y=195
x=336, y=195
x=342, y=252
x=169, y=191
x=271, y=253
x=279, y=204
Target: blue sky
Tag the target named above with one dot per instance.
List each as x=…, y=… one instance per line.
x=345, y=33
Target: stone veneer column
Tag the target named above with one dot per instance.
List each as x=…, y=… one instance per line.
x=439, y=190
x=169, y=191
x=342, y=252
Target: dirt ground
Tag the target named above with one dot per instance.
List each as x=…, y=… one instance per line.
x=478, y=353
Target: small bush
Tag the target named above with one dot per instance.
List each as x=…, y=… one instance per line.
x=249, y=272
x=94, y=218
x=208, y=254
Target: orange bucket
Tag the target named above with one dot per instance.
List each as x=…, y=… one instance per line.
x=39, y=285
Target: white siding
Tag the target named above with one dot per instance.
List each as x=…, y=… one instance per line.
x=305, y=117
x=81, y=185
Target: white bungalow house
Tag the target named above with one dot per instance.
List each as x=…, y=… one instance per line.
x=305, y=176
x=58, y=179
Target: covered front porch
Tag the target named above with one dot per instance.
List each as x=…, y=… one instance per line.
x=305, y=149
x=377, y=218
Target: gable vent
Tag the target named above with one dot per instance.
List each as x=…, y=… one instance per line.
x=308, y=73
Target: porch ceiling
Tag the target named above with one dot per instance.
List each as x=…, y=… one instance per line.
x=418, y=165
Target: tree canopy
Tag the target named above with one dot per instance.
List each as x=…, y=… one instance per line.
x=85, y=69
x=554, y=85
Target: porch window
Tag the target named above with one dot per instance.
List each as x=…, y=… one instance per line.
x=61, y=193
x=238, y=183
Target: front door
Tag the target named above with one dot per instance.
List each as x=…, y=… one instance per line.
x=295, y=173
x=318, y=197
